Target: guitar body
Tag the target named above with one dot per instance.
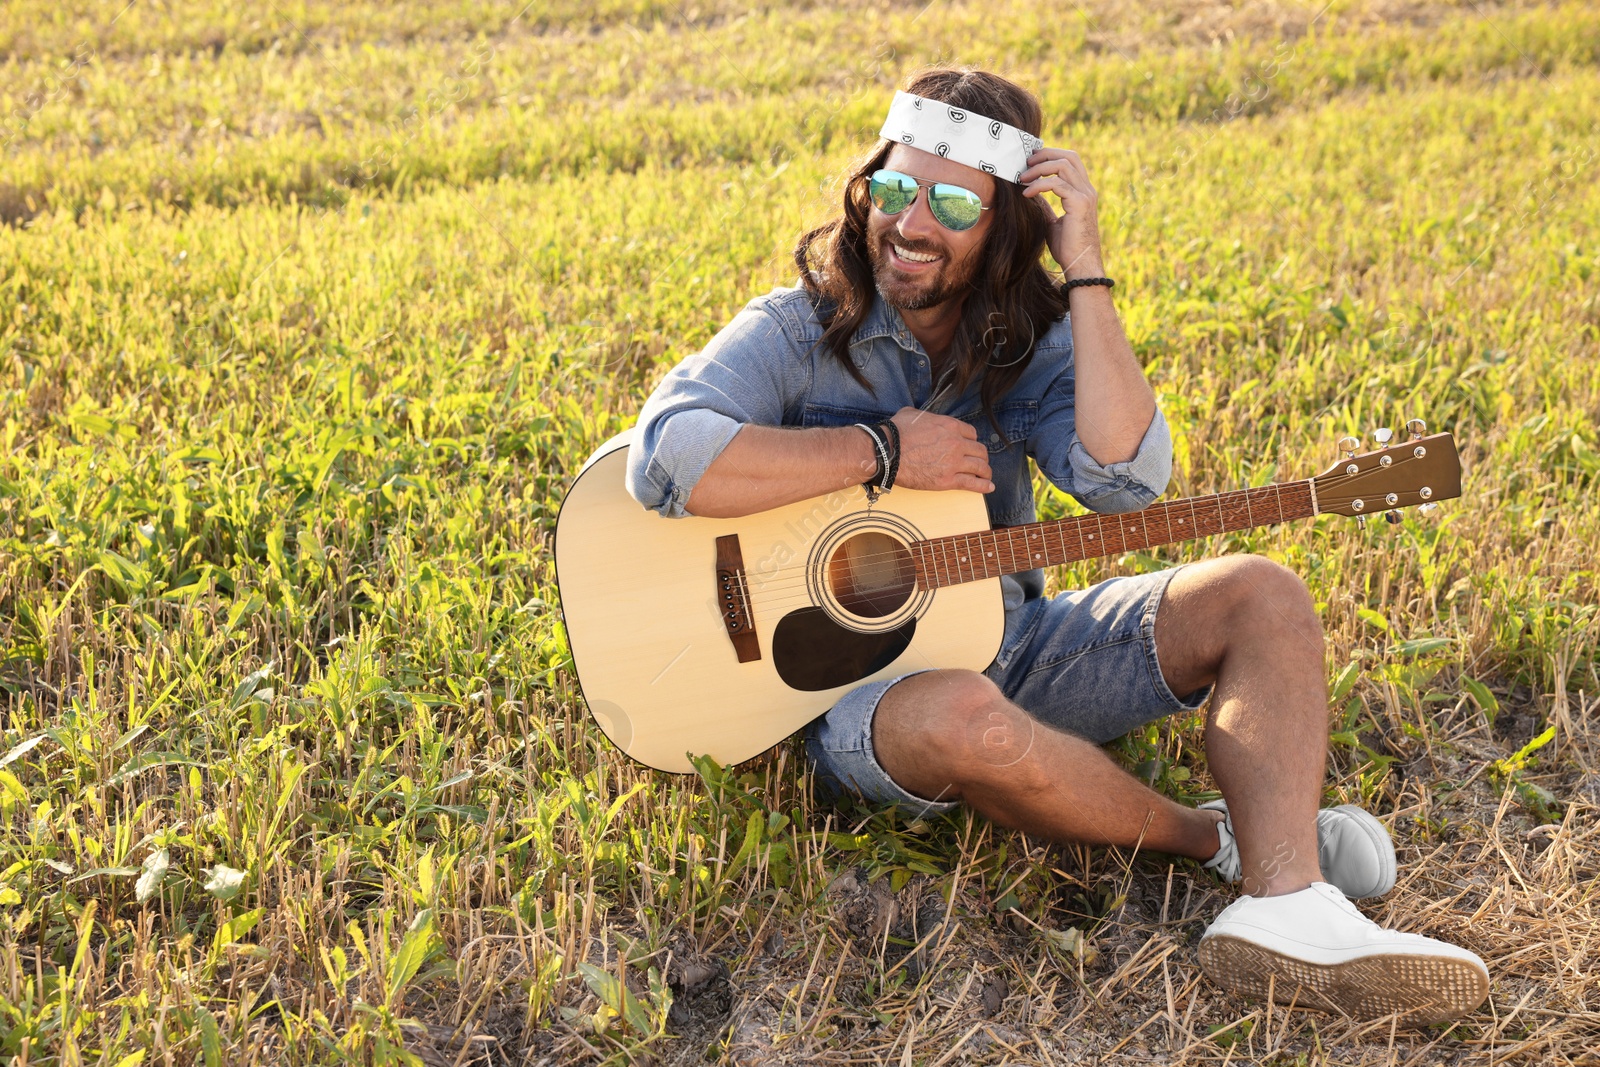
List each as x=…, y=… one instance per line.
x=825, y=587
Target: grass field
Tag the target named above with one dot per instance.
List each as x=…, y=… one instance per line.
x=310, y=311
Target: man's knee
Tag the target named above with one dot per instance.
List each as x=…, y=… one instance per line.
x=1244, y=603
x=1246, y=593
x=952, y=725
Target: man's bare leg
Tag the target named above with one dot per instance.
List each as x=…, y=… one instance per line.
x=1242, y=623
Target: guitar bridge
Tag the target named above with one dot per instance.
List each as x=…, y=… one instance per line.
x=733, y=599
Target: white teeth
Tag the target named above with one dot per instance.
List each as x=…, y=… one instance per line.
x=913, y=257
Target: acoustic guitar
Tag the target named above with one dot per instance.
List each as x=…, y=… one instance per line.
x=724, y=636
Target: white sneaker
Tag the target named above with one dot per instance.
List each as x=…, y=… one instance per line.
x=1353, y=848
x=1320, y=952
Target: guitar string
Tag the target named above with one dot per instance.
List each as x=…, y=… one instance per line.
x=792, y=584
x=1003, y=535
x=902, y=550
x=782, y=589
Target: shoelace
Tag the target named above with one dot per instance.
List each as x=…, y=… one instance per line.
x=1331, y=892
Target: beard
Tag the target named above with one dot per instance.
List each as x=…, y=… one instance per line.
x=926, y=289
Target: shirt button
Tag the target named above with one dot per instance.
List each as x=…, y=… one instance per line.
x=994, y=437
x=922, y=363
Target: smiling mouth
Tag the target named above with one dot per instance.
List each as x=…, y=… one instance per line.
x=904, y=261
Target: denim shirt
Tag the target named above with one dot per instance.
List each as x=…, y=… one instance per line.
x=768, y=366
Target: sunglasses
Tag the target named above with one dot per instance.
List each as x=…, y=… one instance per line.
x=955, y=208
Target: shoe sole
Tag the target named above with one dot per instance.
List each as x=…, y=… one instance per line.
x=1382, y=846
x=1424, y=989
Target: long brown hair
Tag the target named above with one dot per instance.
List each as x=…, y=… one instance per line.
x=1013, y=299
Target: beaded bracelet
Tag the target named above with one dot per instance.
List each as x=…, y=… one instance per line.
x=1107, y=282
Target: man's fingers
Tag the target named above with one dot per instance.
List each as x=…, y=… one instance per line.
x=975, y=484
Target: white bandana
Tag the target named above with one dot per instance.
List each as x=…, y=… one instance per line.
x=967, y=137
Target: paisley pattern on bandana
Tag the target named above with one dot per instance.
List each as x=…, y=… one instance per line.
x=964, y=136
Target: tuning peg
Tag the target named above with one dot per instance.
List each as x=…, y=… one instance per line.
x=1393, y=517
x=1417, y=428
x=1348, y=446
x=1427, y=509
x=1382, y=435
x=1361, y=522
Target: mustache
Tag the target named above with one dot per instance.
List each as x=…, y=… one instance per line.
x=889, y=241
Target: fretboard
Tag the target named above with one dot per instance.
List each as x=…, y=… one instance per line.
x=970, y=557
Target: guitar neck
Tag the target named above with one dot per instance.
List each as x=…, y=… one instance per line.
x=943, y=561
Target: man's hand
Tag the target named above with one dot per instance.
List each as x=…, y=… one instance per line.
x=938, y=452
x=1075, y=233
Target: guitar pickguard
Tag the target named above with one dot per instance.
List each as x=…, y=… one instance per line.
x=811, y=652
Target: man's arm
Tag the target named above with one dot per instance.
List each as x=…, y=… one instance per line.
x=766, y=467
x=1115, y=404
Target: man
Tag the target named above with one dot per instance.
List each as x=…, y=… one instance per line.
x=925, y=306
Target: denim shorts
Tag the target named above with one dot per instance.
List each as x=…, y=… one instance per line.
x=1083, y=661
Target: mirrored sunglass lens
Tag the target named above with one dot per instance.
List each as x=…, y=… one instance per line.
x=892, y=191
x=954, y=206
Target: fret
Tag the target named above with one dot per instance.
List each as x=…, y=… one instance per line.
x=1092, y=540
x=1263, y=491
x=1166, y=524
x=1137, y=535
x=944, y=559
x=1249, y=512
x=1222, y=512
x=1186, y=525
x=1116, y=539
x=1277, y=496
x=1038, y=553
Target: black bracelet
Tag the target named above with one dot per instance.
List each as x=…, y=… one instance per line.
x=892, y=432
x=880, y=447
x=1107, y=282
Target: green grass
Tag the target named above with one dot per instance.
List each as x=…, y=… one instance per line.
x=310, y=314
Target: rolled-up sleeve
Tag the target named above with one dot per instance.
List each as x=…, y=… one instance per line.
x=750, y=372
x=1130, y=485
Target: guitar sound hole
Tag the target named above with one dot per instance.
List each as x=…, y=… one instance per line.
x=871, y=575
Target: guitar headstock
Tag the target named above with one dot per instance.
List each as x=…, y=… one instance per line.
x=1422, y=470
